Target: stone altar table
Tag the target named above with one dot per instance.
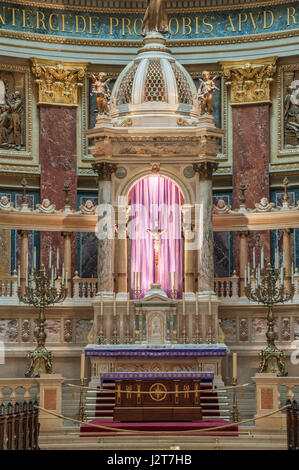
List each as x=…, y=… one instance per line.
x=150, y=397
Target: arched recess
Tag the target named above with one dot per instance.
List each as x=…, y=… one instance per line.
x=155, y=202
x=124, y=190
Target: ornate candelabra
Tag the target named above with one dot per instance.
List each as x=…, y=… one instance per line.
x=270, y=290
x=40, y=290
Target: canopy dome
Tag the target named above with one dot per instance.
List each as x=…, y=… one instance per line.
x=154, y=90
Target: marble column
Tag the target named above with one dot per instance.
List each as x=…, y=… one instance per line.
x=206, y=240
x=251, y=159
x=122, y=266
x=23, y=256
x=105, y=229
x=58, y=161
x=189, y=264
x=67, y=259
x=243, y=250
x=286, y=234
x=249, y=84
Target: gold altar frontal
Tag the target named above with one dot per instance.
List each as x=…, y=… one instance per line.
x=157, y=400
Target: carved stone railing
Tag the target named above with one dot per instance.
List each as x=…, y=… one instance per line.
x=84, y=288
x=227, y=288
x=47, y=392
x=10, y=390
x=268, y=390
x=9, y=286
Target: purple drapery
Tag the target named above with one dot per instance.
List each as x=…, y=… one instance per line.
x=155, y=199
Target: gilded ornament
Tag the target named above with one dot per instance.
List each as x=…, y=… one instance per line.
x=101, y=89
x=205, y=92
x=249, y=82
x=58, y=83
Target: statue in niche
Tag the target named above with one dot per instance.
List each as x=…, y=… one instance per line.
x=264, y=205
x=291, y=115
x=11, y=118
x=205, y=92
x=101, y=89
x=155, y=18
x=46, y=207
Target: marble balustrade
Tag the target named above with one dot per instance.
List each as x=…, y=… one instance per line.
x=226, y=288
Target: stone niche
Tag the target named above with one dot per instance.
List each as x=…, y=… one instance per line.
x=13, y=110
x=290, y=108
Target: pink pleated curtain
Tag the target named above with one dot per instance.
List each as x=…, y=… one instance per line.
x=152, y=199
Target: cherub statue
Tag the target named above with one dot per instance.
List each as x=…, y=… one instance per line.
x=5, y=204
x=101, y=89
x=88, y=207
x=221, y=207
x=205, y=92
x=264, y=205
x=46, y=207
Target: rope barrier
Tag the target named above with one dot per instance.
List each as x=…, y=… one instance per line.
x=122, y=431
x=166, y=392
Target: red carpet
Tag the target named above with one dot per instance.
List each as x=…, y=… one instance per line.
x=89, y=431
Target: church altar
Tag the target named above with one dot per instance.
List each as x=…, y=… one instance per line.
x=136, y=361
x=157, y=397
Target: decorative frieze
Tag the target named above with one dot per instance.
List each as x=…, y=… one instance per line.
x=58, y=83
x=249, y=82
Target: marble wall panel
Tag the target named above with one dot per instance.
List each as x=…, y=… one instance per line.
x=229, y=327
x=259, y=329
x=83, y=327
x=58, y=160
x=53, y=329
x=9, y=331
x=222, y=245
x=251, y=158
x=87, y=245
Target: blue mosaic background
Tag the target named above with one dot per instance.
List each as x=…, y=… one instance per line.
x=195, y=25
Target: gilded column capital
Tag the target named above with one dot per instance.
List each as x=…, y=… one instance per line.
x=205, y=169
x=58, y=83
x=104, y=170
x=249, y=81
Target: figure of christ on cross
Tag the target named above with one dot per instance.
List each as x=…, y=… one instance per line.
x=157, y=233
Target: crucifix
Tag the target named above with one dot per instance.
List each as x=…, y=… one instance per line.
x=157, y=233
